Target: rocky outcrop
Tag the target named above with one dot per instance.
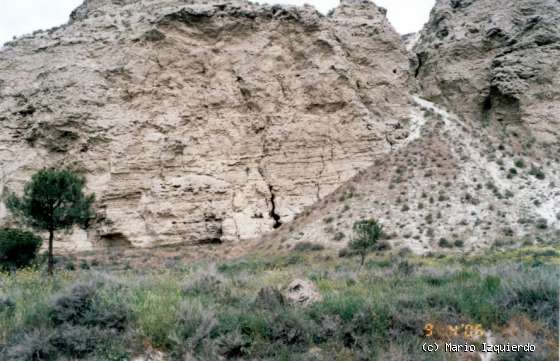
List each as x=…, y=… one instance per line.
x=302, y=293
x=495, y=61
x=203, y=121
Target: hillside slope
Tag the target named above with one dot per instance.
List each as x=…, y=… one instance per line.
x=450, y=185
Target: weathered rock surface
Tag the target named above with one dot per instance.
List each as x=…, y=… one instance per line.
x=451, y=188
x=215, y=121
x=302, y=292
x=202, y=121
x=482, y=165
x=495, y=61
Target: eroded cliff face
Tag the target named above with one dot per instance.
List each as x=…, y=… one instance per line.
x=483, y=165
x=202, y=122
x=495, y=61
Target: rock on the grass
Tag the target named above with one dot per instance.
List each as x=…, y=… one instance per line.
x=302, y=292
x=151, y=355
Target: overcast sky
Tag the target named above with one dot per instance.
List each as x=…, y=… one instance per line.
x=18, y=17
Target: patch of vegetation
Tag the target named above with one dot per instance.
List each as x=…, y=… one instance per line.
x=308, y=246
x=367, y=233
x=339, y=236
x=17, y=248
x=444, y=243
x=541, y=223
x=537, y=172
x=519, y=163
x=236, y=310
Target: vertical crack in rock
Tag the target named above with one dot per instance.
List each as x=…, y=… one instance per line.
x=420, y=57
x=271, y=201
x=389, y=141
x=275, y=216
x=318, y=180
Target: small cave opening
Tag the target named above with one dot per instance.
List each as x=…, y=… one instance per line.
x=487, y=109
x=115, y=239
x=275, y=216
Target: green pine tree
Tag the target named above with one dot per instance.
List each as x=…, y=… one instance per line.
x=52, y=200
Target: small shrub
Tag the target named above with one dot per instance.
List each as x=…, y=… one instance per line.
x=232, y=345
x=459, y=243
x=77, y=341
x=72, y=305
x=31, y=346
x=429, y=218
x=541, y=223
x=537, y=173
x=204, y=281
x=405, y=251
x=6, y=304
x=519, y=163
x=82, y=305
x=193, y=326
x=270, y=298
x=366, y=235
x=345, y=252
x=338, y=236
x=405, y=267
x=286, y=328
x=383, y=246
x=444, y=243
x=308, y=246
x=17, y=248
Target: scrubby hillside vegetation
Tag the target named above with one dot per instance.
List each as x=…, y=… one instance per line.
x=244, y=309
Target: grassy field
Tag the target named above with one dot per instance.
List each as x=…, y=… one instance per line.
x=216, y=311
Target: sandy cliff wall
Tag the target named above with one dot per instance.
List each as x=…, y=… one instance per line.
x=495, y=61
x=202, y=121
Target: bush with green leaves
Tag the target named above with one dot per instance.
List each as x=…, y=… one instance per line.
x=366, y=235
x=17, y=248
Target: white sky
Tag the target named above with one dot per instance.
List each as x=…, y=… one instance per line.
x=18, y=17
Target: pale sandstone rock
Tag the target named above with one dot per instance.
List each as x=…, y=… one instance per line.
x=201, y=121
x=302, y=292
x=495, y=61
x=490, y=69
x=219, y=121
x=151, y=355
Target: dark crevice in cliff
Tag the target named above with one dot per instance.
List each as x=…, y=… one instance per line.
x=486, y=109
x=275, y=216
x=420, y=57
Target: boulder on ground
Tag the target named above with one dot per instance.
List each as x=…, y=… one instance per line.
x=302, y=292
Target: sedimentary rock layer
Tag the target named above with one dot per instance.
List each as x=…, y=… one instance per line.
x=201, y=121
